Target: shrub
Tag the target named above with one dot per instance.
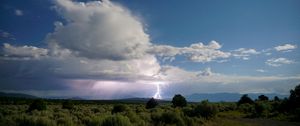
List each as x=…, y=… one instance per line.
x=178, y=101
x=65, y=121
x=246, y=108
x=37, y=105
x=206, y=109
x=262, y=109
x=152, y=103
x=67, y=105
x=116, y=120
x=245, y=99
x=134, y=118
x=167, y=118
x=119, y=108
x=35, y=121
x=188, y=111
x=263, y=98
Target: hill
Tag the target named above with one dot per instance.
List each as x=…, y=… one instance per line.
x=17, y=95
x=227, y=97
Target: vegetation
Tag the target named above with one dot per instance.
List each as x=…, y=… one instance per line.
x=152, y=103
x=28, y=112
x=205, y=109
x=245, y=100
x=179, y=101
x=67, y=105
x=37, y=105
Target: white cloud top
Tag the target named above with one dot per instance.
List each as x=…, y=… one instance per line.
x=24, y=51
x=244, y=53
x=99, y=30
x=276, y=62
x=197, y=52
x=285, y=47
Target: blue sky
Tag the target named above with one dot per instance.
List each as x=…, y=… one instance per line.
x=197, y=46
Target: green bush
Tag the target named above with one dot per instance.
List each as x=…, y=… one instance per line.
x=245, y=100
x=167, y=118
x=263, y=98
x=246, y=108
x=205, y=109
x=35, y=121
x=119, y=108
x=262, y=109
x=65, y=121
x=179, y=101
x=116, y=120
x=37, y=105
x=152, y=103
x=67, y=105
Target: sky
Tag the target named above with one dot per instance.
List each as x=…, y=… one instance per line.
x=133, y=48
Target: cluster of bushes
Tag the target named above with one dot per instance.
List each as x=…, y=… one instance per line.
x=282, y=109
x=67, y=113
x=178, y=112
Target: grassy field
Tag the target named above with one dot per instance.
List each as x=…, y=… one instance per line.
x=151, y=112
x=127, y=114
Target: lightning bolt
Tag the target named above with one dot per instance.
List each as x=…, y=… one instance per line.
x=157, y=94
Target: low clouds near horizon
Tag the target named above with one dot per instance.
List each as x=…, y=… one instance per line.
x=102, y=50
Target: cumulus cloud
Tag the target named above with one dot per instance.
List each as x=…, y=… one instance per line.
x=100, y=40
x=99, y=30
x=102, y=47
x=23, y=51
x=197, y=52
x=211, y=82
x=244, y=53
x=285, y=47
x=276, y=62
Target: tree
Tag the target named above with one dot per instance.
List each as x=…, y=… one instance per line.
x=294, y=98
x=276, y=98
x=179, y=101
x=245, y=99
x=152, y=103
x=263, y=98
x=67, y=105
x=37, y=105
x=119, y=108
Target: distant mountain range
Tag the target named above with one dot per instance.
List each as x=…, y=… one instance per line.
x=227, y=97
x=17, y=95
x=197, y=97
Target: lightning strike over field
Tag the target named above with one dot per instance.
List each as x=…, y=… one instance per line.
x=157, y=94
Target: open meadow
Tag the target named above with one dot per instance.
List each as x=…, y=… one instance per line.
x=178, y=112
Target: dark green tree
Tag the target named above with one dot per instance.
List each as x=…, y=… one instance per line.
x=119, y=108
x=245, y=99
x=152, y=103
x=263, y=98
x=276, y=98
x=294, y=98
x=67, y=105
x=179, y=101
x=37, y=105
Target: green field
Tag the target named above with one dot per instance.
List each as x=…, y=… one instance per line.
x=151, y=112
